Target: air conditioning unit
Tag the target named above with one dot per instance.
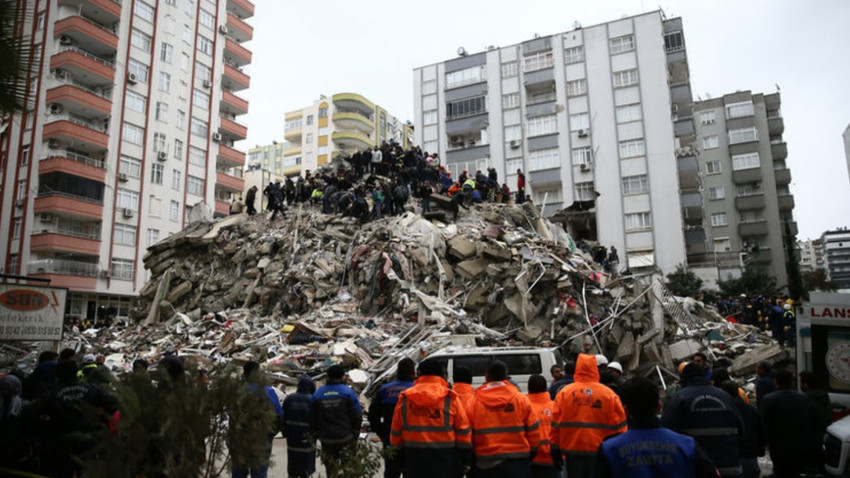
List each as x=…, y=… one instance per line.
x=514, y=144
x=582, y=133
x=585, y=167
x=128, y=212
x=123, y=177
x=131, y=78
x=64, y=40
x=207, y=84
x=216, y=137
x=52, y=143
x=19, y=203
x=104, y=274
x=55, y=108
x=46, y=218
x=224, y=30
x=162, y=155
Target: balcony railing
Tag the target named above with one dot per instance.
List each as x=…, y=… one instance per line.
x=64, y=267
x=78, y=121
x=73, y=229
x=97, y=163
x=44, y=191
x=66, y=79
x=88, y=55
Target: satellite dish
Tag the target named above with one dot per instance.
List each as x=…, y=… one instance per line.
x=461, y=51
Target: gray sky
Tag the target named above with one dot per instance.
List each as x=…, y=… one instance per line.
x=303, y=49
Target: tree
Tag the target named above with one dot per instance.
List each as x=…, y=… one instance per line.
x=683, y=282
x=792, y=266
x=16, y=55
x=817, y=280
x=753, y=281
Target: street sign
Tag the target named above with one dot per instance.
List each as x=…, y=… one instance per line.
x=31, y=312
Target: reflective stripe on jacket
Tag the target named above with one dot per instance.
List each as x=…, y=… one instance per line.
x=585, y=412
x=429, y=415
x=504, y=425
x=541, y=404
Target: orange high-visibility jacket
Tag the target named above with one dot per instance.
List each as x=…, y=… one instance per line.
x=585, y=412
x=465, y=392
x=541, y=404
x=429, y=415
x=504, y=425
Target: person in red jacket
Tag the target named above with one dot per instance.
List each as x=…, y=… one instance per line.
x=520, y=187
x=505, y=430
x=584, y=414
x=541, y=404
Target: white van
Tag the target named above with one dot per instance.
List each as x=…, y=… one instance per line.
x=522, y=362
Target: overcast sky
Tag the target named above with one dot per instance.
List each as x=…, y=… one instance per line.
x=303, y=49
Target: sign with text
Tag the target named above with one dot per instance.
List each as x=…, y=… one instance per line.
x=31, y=312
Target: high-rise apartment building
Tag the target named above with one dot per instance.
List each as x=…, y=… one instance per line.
x=811, y=257
x=846, y=137
x=134, y=117
x=594, y=117
x=836, y=256
x=343, y=123
x=744, y=181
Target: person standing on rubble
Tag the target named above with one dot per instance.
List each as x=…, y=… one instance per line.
x=335, y=419
x=520, y=187
x=250, y=197
x=585, y=413
x=382, y=408
x=430, y=431
x=300, y=446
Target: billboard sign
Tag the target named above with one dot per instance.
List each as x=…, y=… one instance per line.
x=31, y=312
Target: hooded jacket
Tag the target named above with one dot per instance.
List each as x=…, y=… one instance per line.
x=296, y=414
x=465, y=392
x=541, y=405
x=585, y=412
x=504, y=426
x=382, y=408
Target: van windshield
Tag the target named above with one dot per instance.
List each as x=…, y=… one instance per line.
x=518, y=364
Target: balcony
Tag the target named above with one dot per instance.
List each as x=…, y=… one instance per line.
x=229, y=183
x=229, y=157
x=86, y=136
x=235, y=54
x=792, y=225
x=75, y=275
x=745, y=203
x=353, y=101
x=539, y=78
x=241, y=8
x=105, y=12
x=222, y=208
x=753, y=229
x=79, y=101
x=786, y=202
x=84, y=66
x=742, y=176
x=232, y=104
x=351, y=140
x=87, y=34
x=235, y=80
x=353, y=120
x=292, y=151
x=53, y=241
x=233, y=129
x=779, y=151
x=68, y=204
x=762, y=257
x=292, y=135
x=783, y=176
x=73, y=164
x=238, y=29
x=775, y=125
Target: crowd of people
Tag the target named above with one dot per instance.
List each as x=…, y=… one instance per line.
x=774, y=315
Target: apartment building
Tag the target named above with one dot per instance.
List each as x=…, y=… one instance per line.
x=744, y=182
x=811, y=256
x=846, y=137
x=343, y=123
x=835, y=246
x=133, y=127
x=594, y=118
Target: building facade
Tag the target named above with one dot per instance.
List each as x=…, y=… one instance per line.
x=744, y=182
x=341, y=124
x=836, y=256
x=811, y=257
x=846, y=137
x=588, y=115
x=134, y=119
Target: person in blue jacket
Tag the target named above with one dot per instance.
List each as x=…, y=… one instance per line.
x=260, y=467
x=383, y=405
x=300, y=445
x=335, y=418
x=647, y=449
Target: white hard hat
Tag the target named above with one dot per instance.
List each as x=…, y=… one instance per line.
x=601, y=360
x=616, y=366
x=89, y=358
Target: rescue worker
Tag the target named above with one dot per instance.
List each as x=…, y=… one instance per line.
x=430, y=431
x=256, y=465
x=89, y=365
x=335, y=418
x=566, y=378
x=541, y=405
x=383, y=406
x=300, y=446
x=505, y=429
x=789, y=325
x=584, y=414
x=463, y=386
x=647, y=449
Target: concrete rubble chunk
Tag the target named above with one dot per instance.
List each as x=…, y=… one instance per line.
x=461, y=248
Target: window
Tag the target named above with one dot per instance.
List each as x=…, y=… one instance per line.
x=738, y=110
x=430, y=117
x=155, y=207
x=510, y=100
x=322, y=150
x=206, y=19
x=181, y=119
x=205, y=44
x=579, y=121
x=582, y=156
x=202, y=71
x=139, y=69
x=125, y=234
x=153, y=236
x=164, y=81
x=710, y=142
x=156, y=173
x=201, y=99
x=323, y=131
x=629, y=113
x=197, y=156
x=708, y=117
x=182, y=89
x=16, y=229
x=22, y=188
x=292, y=124
x=465, y=107
x=430, y=146
x=133, y=134
x=542, y=125
x=716, y=192
x=25, y=154
x=574, y=54
x=537, y=61
x=189, y=7
x=174, y=211
x=719, y=219
x=751, y=216
x=161, y=111
x=178, y=149
x=135, y=101
x=195, y=185
x=143, y=11
x=510, y=69
x=743, y=135
x=632, y=148
x=713, y=167
x=635, y=185
x=122, y=269
x=745, y=161
x=323, y=112
x=185, y=59
x=577, y=87
x=623, y=43
x=513, y=133
x=167, y=53
x=750, y=189
x=132, y=167
x=309, y=120
x=127, y=199
x=640, y=221
x=466, y=76
x=584, y=191
x=548, y=196
x=429, y=87
x=309, y=139
x=187, y=34
x=625, y=78
x=40, y=21
x=674, y=42
x=543, y=159
x=141, y=40
x=159, y=142
x=171, y=2
x=200, y=127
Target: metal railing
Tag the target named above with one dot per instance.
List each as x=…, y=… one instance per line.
x=88, y=55
x=78, y=121
x=67, y=228
x=99, y=25
x=49, y=192
x=64, y=267
x=67, y=79
x=97, y=163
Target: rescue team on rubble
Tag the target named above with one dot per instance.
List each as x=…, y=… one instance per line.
x=773, y=315
x=589, y=422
